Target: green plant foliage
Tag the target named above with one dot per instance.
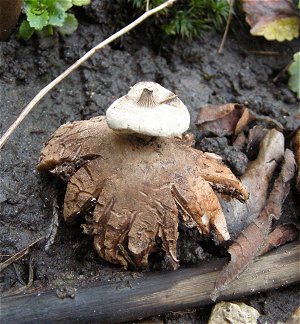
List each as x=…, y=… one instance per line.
x=25, y=30
x=294, y=71
x=43, y=15
x=69, y=26
x=188, y=18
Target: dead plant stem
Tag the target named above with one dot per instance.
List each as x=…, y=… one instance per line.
x=73, y=67
x=231, y=4
x=19, y=254
x=282, y=71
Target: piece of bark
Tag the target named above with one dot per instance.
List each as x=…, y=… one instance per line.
x=251, y=242
x=256, y=180
x=154, y=293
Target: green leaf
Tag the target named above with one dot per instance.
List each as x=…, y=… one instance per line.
x=294, y=71
x=34, y=5
x=46, y=31
x=25, y=30
x=66, y=4
x=69, y=26
x=38, y=21
x=57, y=15
x=81, y=2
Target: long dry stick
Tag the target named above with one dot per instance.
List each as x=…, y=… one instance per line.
x=73, y=67
x=231, y=4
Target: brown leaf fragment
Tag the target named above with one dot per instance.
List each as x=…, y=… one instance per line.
x=256, y=135
x=280, y=235
x=256, y=180
x=250, y=243
x=246, y=117
x=220, y=120
x=230, y=119
x=241, y=141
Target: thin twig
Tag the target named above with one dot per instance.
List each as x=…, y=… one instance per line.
x=73, y=67
x=147, y=5
x=265, y=53
x=231, y=4
x=282, y=71
x=19, y=254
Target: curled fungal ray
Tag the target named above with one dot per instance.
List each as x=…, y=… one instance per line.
x=139, y=187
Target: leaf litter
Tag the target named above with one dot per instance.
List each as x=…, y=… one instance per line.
x=252, y=241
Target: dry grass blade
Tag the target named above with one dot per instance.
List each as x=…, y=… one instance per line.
x=19, y=254
x=54, y=225
x=25, y=286
x=231, y=4
x=73, y=67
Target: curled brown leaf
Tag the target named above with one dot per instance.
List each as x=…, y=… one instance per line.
x=220, y=120
x=280, y=235
x=251, y=242
x=256, y=180
x=229, y=119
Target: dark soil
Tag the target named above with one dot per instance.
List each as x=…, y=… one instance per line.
x=191, y=68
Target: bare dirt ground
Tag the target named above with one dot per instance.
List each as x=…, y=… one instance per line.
x=192, y=69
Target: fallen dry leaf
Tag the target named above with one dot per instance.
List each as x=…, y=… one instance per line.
x=220, y=120
x=246, y=117
x=256, y=135
x=256, y=180
x=273, y=19
x=251, y=242
x=240, y=141
x=137, y=185
x=280, y=235
x=229, y=119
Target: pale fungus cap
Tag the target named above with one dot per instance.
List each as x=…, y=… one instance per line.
x=149, y=109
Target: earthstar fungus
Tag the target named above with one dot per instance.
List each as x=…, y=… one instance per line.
x=140, y=187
